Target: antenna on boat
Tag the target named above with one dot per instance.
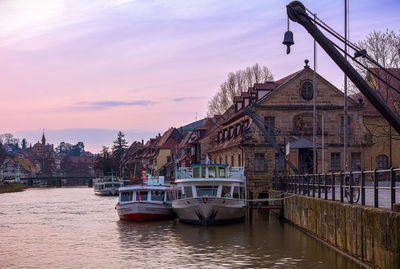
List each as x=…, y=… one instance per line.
x=207, y=163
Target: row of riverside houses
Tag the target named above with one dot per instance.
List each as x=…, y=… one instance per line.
x=42, y=160
x=286, y=105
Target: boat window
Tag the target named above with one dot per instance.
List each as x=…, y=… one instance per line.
x=179, y=193
x=242, y=193
x=226, y=192
x=142, y=196
x=170, y=196
x=196, y=172
x=126, y=196
x=188, y=191
x=157, y=195
x=206, y=191
x=235, y=192
x=203, y=171
x=211, y=171
x=221, y=172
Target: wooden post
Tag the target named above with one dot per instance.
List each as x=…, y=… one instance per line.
x=341, y=187
x=325, y=187
x=319, y=185
x=392, y=187
x=251, y=207
x=333, y=186
x=362, y=187
x=351, y=187
x=376, y=188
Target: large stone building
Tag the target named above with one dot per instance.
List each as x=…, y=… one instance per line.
x=385, y=140
x=286, y=106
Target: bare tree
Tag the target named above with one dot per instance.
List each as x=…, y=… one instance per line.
x=383, y=47
x=236, y=83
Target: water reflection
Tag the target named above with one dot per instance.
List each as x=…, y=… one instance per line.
x=73, y=228
x=267, y=243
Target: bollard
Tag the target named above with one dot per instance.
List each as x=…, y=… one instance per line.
x=251, y=207
x=90, y=183
x=396, y=207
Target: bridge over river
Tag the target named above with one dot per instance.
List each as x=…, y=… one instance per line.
x=59, y=181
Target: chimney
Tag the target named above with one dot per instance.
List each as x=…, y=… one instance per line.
x=142, y=142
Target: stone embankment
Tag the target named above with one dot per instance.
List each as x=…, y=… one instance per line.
x=12, y=187
x=370, y=235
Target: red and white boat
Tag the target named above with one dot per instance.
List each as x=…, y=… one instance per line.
x=145, y=202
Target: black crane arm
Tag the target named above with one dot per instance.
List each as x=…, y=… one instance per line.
x=260, y=125
x=297, y=13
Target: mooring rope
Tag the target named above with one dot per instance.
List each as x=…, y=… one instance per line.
x=271, y=199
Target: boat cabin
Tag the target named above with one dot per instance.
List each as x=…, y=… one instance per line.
x=108, y=185
x=235, y=191
x=216, y=180
x=130, y=195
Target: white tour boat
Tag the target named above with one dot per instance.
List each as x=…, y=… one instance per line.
x=107, y=188
x=210, y=194
x=144, y=202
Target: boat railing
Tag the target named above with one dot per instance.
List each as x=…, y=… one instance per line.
x=236, y=172
x=184, y=172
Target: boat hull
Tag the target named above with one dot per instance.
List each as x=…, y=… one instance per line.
x=106, y=192
x=209, y=210
x=141, y=211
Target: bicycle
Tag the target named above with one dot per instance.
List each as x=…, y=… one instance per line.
x=356, y=190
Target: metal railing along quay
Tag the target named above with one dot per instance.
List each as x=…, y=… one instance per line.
x=378, y=188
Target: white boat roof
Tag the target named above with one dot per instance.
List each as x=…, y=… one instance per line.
x=210, y=180
x=106, y=182
x=144, y=187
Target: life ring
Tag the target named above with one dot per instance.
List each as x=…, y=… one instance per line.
x=204, y=199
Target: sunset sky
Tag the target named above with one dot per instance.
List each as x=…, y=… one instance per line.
x=84, y=69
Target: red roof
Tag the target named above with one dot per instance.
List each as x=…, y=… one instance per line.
x=185, y=140
x=269, y=85
x=287, y=78
x=166, y=140
x=237, y=99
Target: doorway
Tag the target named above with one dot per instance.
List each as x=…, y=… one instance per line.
x=305, y=161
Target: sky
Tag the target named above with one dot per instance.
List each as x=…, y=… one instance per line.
x=84, y=69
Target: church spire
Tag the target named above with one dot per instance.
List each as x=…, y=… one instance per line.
x=43, y=139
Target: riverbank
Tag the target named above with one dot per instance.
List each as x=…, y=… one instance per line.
x=12, y=187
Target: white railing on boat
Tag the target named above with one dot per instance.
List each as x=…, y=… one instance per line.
x=236, y=172
x=184, y=172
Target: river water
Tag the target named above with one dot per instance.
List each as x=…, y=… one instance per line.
x=73, y=228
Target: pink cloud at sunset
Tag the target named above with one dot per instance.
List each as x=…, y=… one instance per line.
x=143, y=66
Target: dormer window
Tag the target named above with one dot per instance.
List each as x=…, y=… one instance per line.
x=238, y=129
x=231, y=132
x=253, y=98
x=225, y=134
x=246, y=124
x=239, y=106
x=219, y=137
x=246, y=102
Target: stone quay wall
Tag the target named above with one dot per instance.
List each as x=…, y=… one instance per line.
x=370, y=235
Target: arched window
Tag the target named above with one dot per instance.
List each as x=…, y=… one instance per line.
x=382, y=162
